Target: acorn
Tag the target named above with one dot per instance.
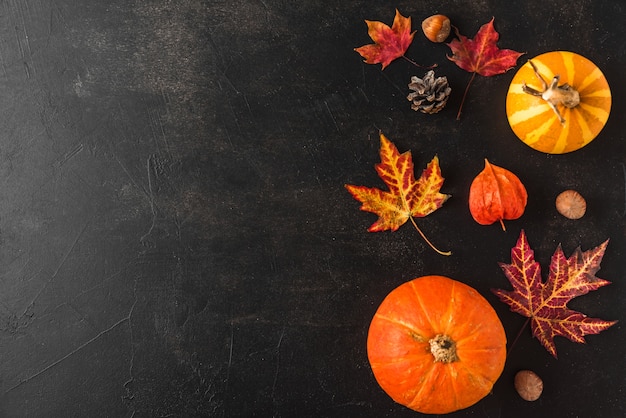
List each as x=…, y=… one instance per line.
x=436, y=28
x=571, y=204
x=528, y=385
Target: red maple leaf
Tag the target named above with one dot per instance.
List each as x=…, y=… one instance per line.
x=407, y=198
x=545, y=303
x=390, y=42
x=481, y=55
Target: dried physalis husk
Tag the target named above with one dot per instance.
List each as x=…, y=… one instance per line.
x=436, y=28
x=571, y=204
x=528, y=385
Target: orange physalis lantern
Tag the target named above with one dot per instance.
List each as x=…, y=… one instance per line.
x=496, y=194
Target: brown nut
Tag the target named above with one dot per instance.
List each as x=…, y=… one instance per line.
x=571, y=204
x=436, y=28
x=528, y=385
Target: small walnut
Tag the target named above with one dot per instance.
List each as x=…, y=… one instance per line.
x=571, y=204
x=528, y=385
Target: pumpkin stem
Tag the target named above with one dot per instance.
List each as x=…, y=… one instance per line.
x=554, y=94
x=443, y=348
x=426, y=239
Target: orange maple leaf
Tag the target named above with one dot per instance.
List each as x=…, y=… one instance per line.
x=481, y=55
x=545, y=303
x=390, y=42
x=407, y=198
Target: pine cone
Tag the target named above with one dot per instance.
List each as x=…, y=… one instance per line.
x=429, y=94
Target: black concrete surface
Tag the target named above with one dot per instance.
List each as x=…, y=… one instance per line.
x=175, y=236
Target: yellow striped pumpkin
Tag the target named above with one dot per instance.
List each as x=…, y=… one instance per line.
x=537, y=123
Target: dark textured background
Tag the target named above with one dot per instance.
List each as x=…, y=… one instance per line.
x=175, y=237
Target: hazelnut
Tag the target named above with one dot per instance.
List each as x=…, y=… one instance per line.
x=528, y=385
x=571, y=204
x=436, y=28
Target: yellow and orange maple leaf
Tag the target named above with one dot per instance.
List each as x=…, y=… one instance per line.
x=407, y=198
x=390, y=43
x=545, y=303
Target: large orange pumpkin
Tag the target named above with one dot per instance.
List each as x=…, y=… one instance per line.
x=558, y=102
x=436, y=345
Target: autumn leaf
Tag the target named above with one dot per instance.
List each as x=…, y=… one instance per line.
x=481, y=55
x=390, y=42
x=545, y=303
x=407, y=198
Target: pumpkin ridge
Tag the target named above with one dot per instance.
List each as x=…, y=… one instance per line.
x=561, y=142
x=424, y=385
x=583, y=124
x=466, y=332
x=448, y=318
x=454, y=385
x=524, y=114
x=601, y=93
x=432, y=380
x=486, y=377
x=477, y=377
x=408, y=358
x=425, y=312
x=595, y=111
x=471, y=334
x=406, y=325
x=462, y=369
x=589, y=80
x=466, y=350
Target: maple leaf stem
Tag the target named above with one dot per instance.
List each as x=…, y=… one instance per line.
x=519, y=334
x=469, y=83
x=419, y=65
x=426, y=239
